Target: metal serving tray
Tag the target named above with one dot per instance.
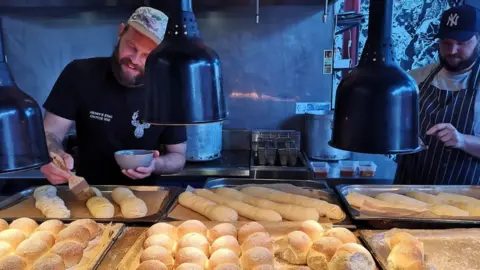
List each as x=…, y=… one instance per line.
x=386, y=222
x=106, y=190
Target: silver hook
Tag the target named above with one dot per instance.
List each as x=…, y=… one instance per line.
x=258, y=11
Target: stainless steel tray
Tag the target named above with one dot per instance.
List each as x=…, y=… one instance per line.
x=385, y=222
x=106, y=191
x=232, y=182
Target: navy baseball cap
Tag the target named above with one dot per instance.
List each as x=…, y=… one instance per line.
x=459, y=23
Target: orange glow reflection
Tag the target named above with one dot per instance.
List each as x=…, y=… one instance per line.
x=257, y=96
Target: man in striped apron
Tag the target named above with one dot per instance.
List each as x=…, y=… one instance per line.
x=449, y=107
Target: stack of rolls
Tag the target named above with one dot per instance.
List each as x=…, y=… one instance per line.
x=49, y=246
x=130, y=205
x=47, y=201
x=192, y=246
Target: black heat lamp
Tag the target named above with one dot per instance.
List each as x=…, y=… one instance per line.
x=183, y=78
x=376, y=105
x=22, y=137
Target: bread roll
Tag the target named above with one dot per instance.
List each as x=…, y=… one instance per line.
x=245, y=210
x=255, y=257
x=447, y=210
x=161, y=240
x=287, y=211
x=228, y=242
x=223, y=256
x=100, y=207
x=152, y=265
x=264, y=267
x=70, y=251
x=405, y=255
x=75, y=233
x=352, y=256
x=13, y=262
x=207, y=208
x=195, y=240
x=12, y=236
x=404, y=237
x=342, y=234
x=3, y=225
x=228, y=266
x=326, y=245
x=472, y=209
x=189, y=266
x=24, y=224
x=221, y=230
x=258, y=239
x=425, y=197
x=298, y=246
x=191, y=255
x=133, y=207
x=399, y=199
x=191, y=226
x=31, y=250
x=45, y=191
x=249, y=228
x=313, y=229
x=5, y=249
x=121, y=193
x=157, y=253
x=52, y=207
x=54, y=226
x=452, y=199
x=323, y=208
x=50, y=261
x=163, y=228
x=45, y=236
x=92, y=226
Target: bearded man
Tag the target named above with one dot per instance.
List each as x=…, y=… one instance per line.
x=103, y=96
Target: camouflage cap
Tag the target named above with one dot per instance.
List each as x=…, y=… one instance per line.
x=150, y=22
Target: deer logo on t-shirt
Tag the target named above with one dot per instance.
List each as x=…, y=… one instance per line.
x=139, y=127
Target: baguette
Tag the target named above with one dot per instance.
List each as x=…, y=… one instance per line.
x=425, y=197
x=207, y=208
x=472, y=209
x=400, y=199
x=362, y=201
x=453, y=199
x=447, y=210
x=324, y=208
x=287, y=211
x=245, y=210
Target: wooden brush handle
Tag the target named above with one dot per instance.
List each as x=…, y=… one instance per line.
x=58, y=160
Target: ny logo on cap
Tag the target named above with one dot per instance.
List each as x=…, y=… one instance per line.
x=453, y=20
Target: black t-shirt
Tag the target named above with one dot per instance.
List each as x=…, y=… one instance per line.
x=107, y=119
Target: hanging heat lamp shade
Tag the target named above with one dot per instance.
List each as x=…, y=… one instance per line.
x=183, y=78
x=377, y=104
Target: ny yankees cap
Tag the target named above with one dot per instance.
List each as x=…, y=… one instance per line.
x=459, y=23
x=150, y=22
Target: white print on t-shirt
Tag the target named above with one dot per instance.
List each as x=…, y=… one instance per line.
x=100, y=116
x=139, y=127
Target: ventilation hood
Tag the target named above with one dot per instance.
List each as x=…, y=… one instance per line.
x=22, y=137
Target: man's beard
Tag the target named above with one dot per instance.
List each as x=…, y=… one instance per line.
x=462, y=64
x=122, y=77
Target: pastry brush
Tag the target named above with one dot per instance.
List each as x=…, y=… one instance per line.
x=77, y=185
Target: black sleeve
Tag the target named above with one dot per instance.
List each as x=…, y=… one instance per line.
x=173, y=135
x=63, y=99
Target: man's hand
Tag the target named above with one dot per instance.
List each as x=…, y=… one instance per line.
x=448, y=134
x=143, y=172
x=56, y=175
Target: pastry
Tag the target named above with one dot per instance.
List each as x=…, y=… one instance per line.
x=52, y=207
x=321, y=252
x=157, y=253
x=13, y=262
x=352, y=256
x=191, y=226
x=70, y=251
x=243, y=209
x=228, y=266
x=223, y=256
x=405, y=255
x=342, y=234
x=50, y=261
x=44, y=236
x=287, y=211
x=152, y=265
x=399, y=199
x=249, y=228
x=452, y=199
x=258, y=239
x=24, y=224
x=12, y=236
x=195, y=240
x=189, y=266
x=46, y=191
x=161, y=240
x=100, y=207
x=54, y=226
x=221, y=230
x=228, y=242
x=191, y=255
x=264, y=267
x=75, y=233
x=133, y=207
x=324, y=208
x=31, y=250
x=255, y=257
x=207, y=208
x=3, y=225
x=313, y=229
x=404, y=237
x=425, y=197
x=163, y=228
x=90, y=225
x=5, y=249
x=121, y=193
x=298, y=246
x=447, y=210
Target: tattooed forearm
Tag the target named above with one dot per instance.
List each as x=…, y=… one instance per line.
x=54, y=144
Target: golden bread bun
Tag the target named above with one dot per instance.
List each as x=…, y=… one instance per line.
x=44, y=236
x=100, y=207
x=249, y=228
x=221, y=230
x=12, y=236
x=133, y=207
x=194, y=240
x=342, y=234
x=121, y=193
x=70, y=251
x=31, y=250
x=258, y=239
x=255, y=257
x=49, y=261
x=313, y=229
x=189, y=266
x=5, y=249
x=3, y=225
x=405, y=255
x=352, y=255
x=401, y=237
x=191, y=226
x=163, y=228
x=54, y=226
x=152, y=265
x=298, y=246
x=13, y=262
x=228, y=242
x=327, y=245
x=228, y=266
x=24, y=224
x=160, y=240
x=223, y=256
x=191, y=255
x=264, y=267
x=76, y=233
x=92, y=226
x=157, y=253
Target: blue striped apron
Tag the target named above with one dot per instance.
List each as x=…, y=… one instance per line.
x=442, y=165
